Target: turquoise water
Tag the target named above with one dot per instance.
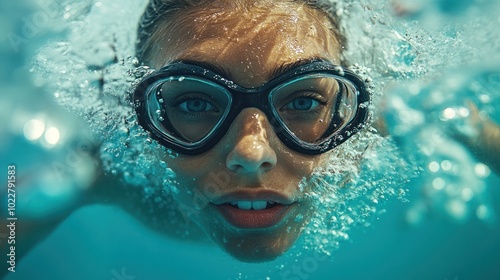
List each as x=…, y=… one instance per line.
x=59, y=66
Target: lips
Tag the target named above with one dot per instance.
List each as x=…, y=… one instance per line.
x=253, y=210
x=253, y=219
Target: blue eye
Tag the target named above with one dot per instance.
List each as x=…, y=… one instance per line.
x=302, y=104
x=196, y=106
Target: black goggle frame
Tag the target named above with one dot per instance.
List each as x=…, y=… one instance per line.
x=256, y=97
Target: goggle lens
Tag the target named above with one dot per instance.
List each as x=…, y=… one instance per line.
x=315, y=106
x=188, y=109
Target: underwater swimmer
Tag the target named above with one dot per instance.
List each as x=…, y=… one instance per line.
x=251, y=91
x=251, y=95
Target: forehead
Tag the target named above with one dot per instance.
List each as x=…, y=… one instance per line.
x=248, y=42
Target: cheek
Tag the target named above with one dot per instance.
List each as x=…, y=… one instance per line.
x=194, y=167
x=298, y=164
x=194, y=174
x=300, y=170
x=189, y=173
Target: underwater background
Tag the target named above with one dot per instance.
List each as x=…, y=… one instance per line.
x=425, y=58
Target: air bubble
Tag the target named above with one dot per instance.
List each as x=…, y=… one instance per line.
x=483, y=212
x=434, y=167
x=298, y=218
x=448, y=114
x=33, y=129
x=482, y=170
x=340, y=70
x=446, y=165
x=364, y=105
x=438, y=183
x=467, y=194
x=457, y=209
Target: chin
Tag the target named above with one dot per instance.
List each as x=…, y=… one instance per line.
x=253, y=245
x=258, y=246
x=254, y=257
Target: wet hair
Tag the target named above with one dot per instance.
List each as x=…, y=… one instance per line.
x=159, y=11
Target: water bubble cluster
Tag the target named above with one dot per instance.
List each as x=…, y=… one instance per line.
x=92, y=73
x=428, y=65
x=453, y=182
x=351, y=188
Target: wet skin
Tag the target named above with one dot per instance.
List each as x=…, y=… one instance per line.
x=250, y=163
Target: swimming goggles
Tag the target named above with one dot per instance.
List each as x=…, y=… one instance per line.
x=312, y=107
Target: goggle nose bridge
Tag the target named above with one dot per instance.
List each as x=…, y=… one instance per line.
x=259, y=98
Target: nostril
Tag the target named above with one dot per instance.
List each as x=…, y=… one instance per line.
x=267, y=165
x=248, y=166
x=234, y=167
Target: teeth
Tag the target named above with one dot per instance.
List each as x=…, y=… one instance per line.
x=259, y=205
x=247, y=205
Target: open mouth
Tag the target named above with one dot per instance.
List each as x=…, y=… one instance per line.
x=252, y=205
x=254, y=209
x=257, y=214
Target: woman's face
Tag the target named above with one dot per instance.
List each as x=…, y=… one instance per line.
x=244, y=192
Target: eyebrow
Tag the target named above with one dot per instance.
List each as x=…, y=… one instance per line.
x=277, y=71
x=209, y=66
x=285, y=67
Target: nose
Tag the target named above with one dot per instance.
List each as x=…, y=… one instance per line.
x=251, y=153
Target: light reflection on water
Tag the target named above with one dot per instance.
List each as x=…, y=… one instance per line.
x=426, y=64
